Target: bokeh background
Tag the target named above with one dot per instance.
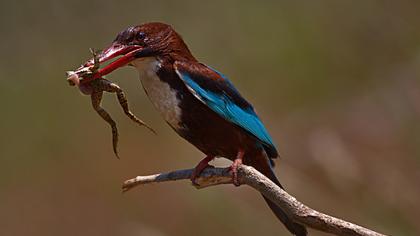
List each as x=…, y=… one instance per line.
x=335, y=82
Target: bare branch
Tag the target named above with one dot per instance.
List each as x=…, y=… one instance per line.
x=249, y=176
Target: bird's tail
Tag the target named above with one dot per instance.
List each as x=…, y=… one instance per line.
x=261, y=162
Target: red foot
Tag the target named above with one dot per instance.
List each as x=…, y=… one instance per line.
x=203, y=164
x=234, y=167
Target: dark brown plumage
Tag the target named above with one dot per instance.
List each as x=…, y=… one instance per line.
x=198, y=102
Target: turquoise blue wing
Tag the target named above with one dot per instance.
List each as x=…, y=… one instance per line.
x=219, y=94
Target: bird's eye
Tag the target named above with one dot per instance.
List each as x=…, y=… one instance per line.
x=141, y=35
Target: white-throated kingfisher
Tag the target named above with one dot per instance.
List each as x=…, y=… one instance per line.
x=197, y=101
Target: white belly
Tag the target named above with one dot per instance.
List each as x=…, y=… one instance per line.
x=160, y=93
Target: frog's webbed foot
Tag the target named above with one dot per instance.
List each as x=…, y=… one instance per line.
x=114, y=88
x=96, y=98
x=124, y=104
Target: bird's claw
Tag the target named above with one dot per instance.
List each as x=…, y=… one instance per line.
x=234, y=168
x=196, y=173
x=203, y=164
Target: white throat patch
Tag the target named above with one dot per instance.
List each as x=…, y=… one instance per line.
x=162, y=96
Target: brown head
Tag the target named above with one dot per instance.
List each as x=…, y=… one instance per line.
x=147, y=40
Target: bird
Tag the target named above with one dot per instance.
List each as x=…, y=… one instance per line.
x=198, y=102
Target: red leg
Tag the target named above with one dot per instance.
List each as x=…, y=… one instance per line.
x=203, y=164
x=234, y=166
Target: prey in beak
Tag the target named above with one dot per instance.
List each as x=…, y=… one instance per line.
x=91, y=69
x=89, y=80
x=130, y=44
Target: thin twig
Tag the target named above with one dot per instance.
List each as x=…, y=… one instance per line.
x=249, y=176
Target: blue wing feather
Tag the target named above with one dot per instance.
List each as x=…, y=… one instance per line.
x=225, y=104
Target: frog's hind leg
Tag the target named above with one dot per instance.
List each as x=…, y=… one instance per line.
x=114, y=88
x=96, y=98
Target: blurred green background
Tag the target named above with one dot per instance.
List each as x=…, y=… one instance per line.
x=335, y=82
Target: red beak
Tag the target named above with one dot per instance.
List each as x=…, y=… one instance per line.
x=127, y=52
x=117, y=49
